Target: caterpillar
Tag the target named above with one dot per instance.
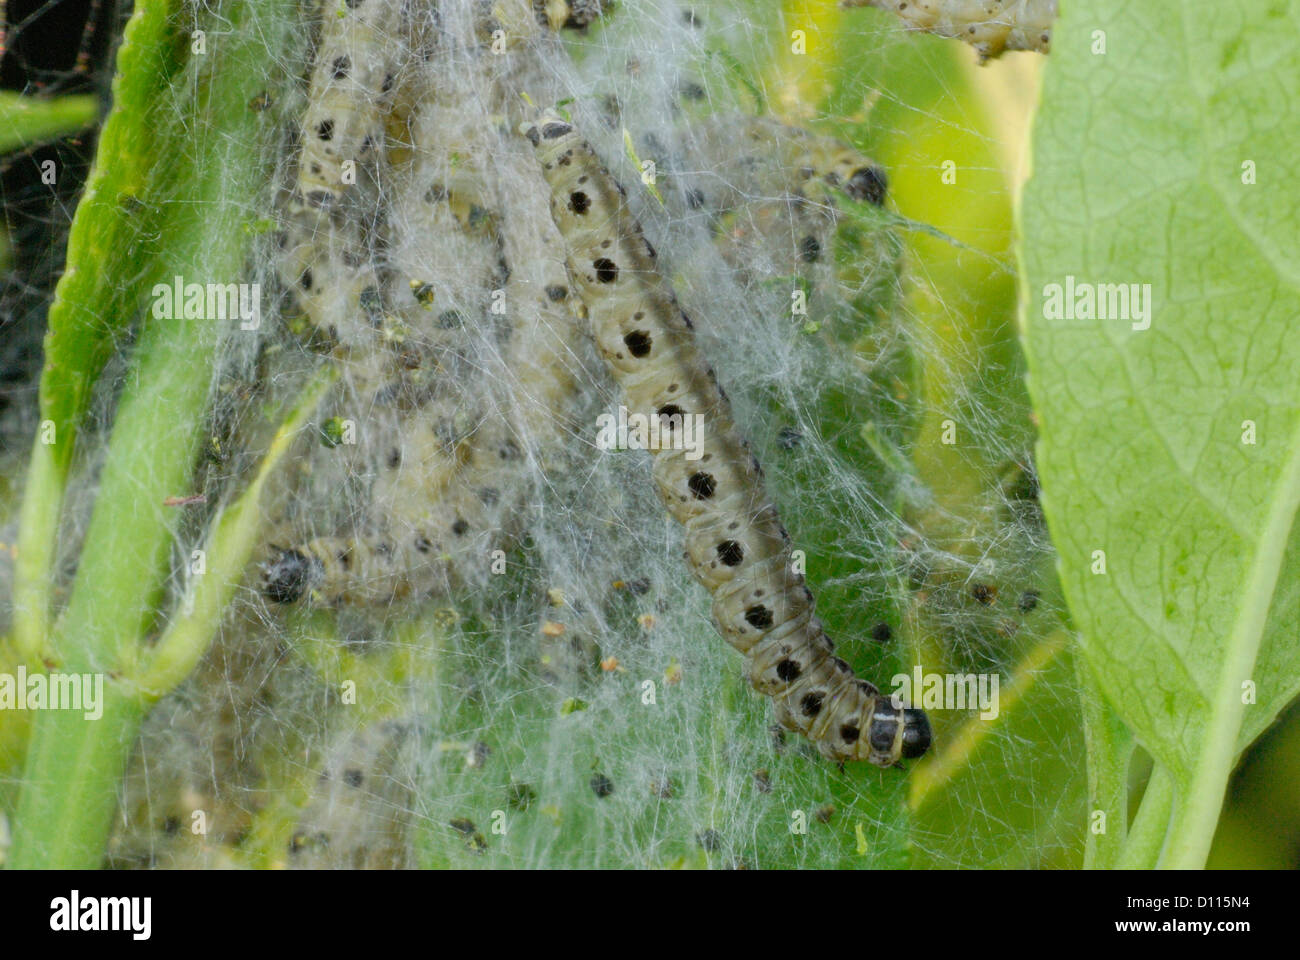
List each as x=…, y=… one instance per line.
x=803, y=158
x=774, y=191
x=448, y=456
x=990, y=26
x=735, y=542
x=332, y=209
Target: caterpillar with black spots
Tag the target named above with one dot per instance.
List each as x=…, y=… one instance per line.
x=990, y=26
x=445, y=446
x=735, y=542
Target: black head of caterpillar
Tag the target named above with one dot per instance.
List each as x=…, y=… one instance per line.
x=735, y=544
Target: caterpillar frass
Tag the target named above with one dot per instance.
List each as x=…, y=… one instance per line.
x=735, y=543
x=990, y=26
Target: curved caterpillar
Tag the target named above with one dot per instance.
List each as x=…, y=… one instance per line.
x=775, y=193
x=803, y=157
x=990, y=26
x=735, y=543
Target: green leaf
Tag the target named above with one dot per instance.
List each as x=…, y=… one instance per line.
x=218, y=158
x=232, y=537
x=27, y=121
x=1145, y=173
x=92, y=304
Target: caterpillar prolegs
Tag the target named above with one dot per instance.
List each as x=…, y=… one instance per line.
x=735, y=543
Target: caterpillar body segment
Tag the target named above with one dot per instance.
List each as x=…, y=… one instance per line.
x=447, y=391
x=775, y=194
x=355, y=70
x=332, y=217
x=446, y=512
x=735, y=543
x=990, y=26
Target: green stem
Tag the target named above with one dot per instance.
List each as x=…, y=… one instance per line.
x=91, y=304
x=76, y=766
x=38, y=526
x=1197, y=813
x=1110, y=746
x=216, y=156
x=1146, y=837
x=26, y=121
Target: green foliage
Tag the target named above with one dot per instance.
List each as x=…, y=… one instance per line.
x=123, y=568
x=1138, y=158
x=1174, y=449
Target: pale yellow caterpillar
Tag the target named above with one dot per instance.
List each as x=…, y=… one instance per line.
x=453, y=459
x=990, y=26
x=735, y=543
x=352, y=80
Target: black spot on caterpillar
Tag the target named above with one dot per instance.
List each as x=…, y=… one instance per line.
x=735, y=543
x=347, y=101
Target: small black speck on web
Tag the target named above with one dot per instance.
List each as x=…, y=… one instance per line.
x=789, y=438
x=882, y=632
x=601, y=785
x=984, y=593
x=353, y=778
x=1028, y=600
x=709, y=840
x=463, y=825
x=778, y=737
x=870, y=184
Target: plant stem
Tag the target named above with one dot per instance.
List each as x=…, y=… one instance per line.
x=217, y=156
x=1198, y=807
x=1146, y=838
x=91, y=305
x=74, y=769
x=1110, y=746
x=26, y=121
